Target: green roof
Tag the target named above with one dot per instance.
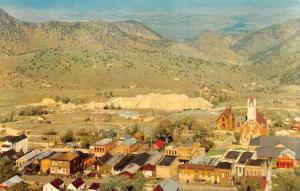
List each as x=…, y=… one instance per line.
x=215, y=152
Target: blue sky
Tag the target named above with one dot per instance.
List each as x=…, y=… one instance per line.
x=172, y=18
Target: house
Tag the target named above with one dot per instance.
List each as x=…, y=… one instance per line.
x=18, y=143
x=192, y=173
x=27, y=157
x=10, y=155
x=66, y=164
x=120, y=165
x=226, y=120
x=239, y=166
x=103, y=146
x=167, y=185
x=107, y=168
x=223, y=172
x=283, y=150
x=255, y=125
x=167, y=167
x=10, y=182
x=127, y=145
x=55, y=185
x=76, y=185
x=148, y=170
x=159, y=144
x=184, y=152
x=256, y=167
x=150, y=166
x=87, y=159
x=96, y=167
x=94, y=187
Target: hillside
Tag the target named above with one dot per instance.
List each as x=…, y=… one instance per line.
x=19, y=37
x=274, y=52
x=97, y=55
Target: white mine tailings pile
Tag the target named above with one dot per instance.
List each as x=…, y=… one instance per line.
x=168, y=102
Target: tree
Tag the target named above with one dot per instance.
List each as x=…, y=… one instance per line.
x=19, y=187
x=68, y=137
x=6, y=167
x=138, y=182
x=286, y=182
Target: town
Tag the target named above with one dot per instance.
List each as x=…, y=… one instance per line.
x=128, y=161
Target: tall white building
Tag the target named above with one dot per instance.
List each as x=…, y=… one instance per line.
x=18, y=143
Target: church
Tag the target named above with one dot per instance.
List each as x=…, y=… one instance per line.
x=226, y=120
x=255, y=125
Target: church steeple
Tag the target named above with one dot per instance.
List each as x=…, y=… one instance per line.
x=251, y=106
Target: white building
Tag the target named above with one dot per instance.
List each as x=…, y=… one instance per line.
x=55, y=185
x=18, y=143
x=77, y=185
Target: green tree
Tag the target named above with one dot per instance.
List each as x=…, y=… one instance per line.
x=286, y=182
x=68, y=137
x=19, y=187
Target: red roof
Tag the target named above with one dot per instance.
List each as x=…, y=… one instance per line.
x=78, y=182
x=94, y=186
x=261, y=120
x=158, y=188
x=159, y=143
x=56, y=183
x=227, y=112
x=128, y=174
x=148, y=167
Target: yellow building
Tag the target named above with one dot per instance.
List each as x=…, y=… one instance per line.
x=190, y=173
x=167, y=167
x=184, y=152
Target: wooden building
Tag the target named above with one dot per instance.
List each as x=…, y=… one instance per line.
x=103, y=146
x=66, y=164
x=226, y=120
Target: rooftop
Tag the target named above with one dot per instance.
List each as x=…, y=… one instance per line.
x=224, y=165
x=65, y=156
x=232, y=155
x=257, y=162
x=200, y=167
x=245, y=156
x=56, y=183
x=104, y=141
x=167, y=161
x=78, y=182
x=13, y=139
x=123, y=162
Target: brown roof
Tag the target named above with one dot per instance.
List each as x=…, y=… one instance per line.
x=261, y=120
x=13, y=139
x=257, y=162
x=56, y=183
x=94, y=186
x=78, y=182
x=65, y=156
x=200, y=167
x=226, y=113
x=149, y=167
x=224, y=165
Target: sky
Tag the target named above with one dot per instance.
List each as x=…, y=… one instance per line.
x=178, y=19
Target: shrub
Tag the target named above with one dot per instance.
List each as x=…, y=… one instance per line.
x=31, y=111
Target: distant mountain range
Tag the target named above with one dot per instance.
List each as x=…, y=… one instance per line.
x=127, y=52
